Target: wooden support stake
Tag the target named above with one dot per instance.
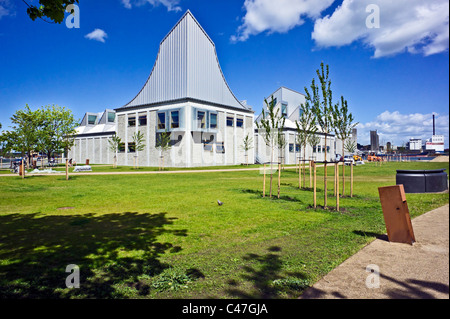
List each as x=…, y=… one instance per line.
x=23, y=169
x=67, y=169
x=310, y=175
x=351, y=180
x=299, y=173
x=315, y=185
x=279, y=179
x=264, y=182
x=335, y=182
x=337, y=188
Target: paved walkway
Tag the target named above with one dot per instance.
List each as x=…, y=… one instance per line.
x=415, y=272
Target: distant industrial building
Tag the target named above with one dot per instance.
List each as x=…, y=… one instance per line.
x=435, y=144
x=415, y=144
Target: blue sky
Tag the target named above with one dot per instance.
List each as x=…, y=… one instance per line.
x=394, y=77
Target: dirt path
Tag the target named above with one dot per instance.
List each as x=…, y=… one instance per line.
x=420, y=271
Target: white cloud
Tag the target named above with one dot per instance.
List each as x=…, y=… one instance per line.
x=416, y=26
x=97, y=35
x=399, y=128
x=277, y=16
x=6, y=8
x=171, y=5
x=126, y=4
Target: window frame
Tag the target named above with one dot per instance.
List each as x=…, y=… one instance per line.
x=159, y=122
x=210, y=121
x=171, y=119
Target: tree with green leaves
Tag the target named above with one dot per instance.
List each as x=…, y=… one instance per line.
x=24, y=136
x=247, y=145
x=57, y=127
x=163, y=144
x=138, y=140
x=321, y=99
x=114, y=144
x=306, y=127
x=343, y=126
x=270, y=127
x=52, y=9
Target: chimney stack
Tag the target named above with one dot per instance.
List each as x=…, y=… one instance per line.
x=434, y=126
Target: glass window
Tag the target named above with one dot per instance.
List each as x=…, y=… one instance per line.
x=161, y=121
x=121, y=147
x=92, y=119
x=239, y=122
x=283, y=109
x=291, y=148
x=220, y=147
x=131, y=147
x=297, y=148
x=174, y=119
x=111, y=117
x=132, y=121
x=230, y=121
x=201, y=119
x=213, y=121
x=318, y=148
x=142, y=120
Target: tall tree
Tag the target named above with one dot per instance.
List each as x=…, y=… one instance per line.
x=51, y=9
x=57, y=126
x=321, y=99
x=343, y=126
x=163, y=144
x=270, y=127
x=24, y=136
x=306, y=126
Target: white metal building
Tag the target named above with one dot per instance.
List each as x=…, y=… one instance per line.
x=187, y=95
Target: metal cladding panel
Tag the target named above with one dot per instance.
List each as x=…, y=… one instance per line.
x=186, y=67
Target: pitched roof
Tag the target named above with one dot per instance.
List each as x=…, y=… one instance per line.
x=186, y=67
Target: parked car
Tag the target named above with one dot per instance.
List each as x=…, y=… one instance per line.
x=338, y=158
x=348, y=159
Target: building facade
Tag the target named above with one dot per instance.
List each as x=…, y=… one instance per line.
x=185, y=95
x=288, y=103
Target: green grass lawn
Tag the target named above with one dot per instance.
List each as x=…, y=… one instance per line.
x=165, y=236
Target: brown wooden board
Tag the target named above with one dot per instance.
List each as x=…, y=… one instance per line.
x=396, y=214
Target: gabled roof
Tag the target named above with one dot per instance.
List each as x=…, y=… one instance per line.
x=186, y=67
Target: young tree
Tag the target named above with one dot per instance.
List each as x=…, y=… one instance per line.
x=138, y=139
x=114, y=143
x=343, y=125
x=306, y=127
x=247, y=146
x=163, y=144
x=322, y=105
x=270, y=127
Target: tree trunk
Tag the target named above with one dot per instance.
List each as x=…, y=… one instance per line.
x=325, y=175
x=343, y=170
x=271, y=173
x=304, y=167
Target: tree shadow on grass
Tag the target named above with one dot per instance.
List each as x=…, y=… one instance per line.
x=109, y=249
x=259, y=194
x=266, y=277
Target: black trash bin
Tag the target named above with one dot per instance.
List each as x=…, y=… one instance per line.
x=422, y=181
